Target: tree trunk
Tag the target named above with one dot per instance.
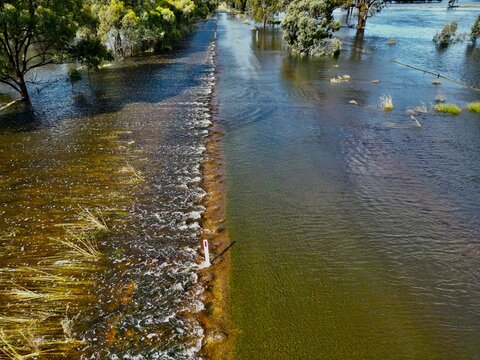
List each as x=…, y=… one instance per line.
x=23, y=89
x=362, y=20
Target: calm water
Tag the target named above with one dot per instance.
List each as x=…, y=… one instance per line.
x=126, y=149
x=358, y=233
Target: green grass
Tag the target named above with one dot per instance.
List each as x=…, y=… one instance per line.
x=451, y=109
x=474, y=106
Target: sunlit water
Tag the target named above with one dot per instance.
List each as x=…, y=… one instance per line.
x=128, y=148
x=357, y=231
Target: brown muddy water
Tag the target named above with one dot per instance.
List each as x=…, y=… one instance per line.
x=357, y=232
x=100, y=203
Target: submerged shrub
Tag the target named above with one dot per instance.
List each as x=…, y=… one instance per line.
x=475, y=30
x=448, y=109
x=474, y=106
x=446, y=35
x=386, y=102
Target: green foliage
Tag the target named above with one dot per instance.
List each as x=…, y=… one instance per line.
x=475, y=30
x=448, y=109
x=240, y=5
x=446, y=35
x=308, y=25
x=74, y=75
x=130, y=26
x=474, y=106
x=90, y=52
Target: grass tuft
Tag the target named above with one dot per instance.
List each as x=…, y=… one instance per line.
x=96, y=222
x=451, y=109
x=474, y=106
x=82, y=245
x=135, y=174
x=418, y=110
x=386, y=102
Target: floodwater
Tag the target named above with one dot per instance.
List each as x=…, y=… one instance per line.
x=357, y=231
x=100, y=203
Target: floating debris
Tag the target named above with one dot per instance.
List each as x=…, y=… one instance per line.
x=340, y=79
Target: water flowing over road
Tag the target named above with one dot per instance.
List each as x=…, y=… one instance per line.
x=115, y=166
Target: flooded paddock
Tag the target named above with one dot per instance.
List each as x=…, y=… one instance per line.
x=357, y=230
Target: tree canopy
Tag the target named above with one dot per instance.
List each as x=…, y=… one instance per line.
x=308, y=24
x=36, y=33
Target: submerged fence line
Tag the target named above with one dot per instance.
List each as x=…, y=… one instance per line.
x=437, y=75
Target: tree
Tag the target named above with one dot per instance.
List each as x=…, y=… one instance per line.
x=35, y=33
x=263, y=10
x=308, y=24
x=365, y=9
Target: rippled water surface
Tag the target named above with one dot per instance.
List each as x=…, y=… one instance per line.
x=99, y=208
x=357, y=231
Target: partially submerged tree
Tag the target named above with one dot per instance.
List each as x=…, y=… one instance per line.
x=35, y=33
x=446, y=35
x=365, y=9
x=308, y=26
x=264, y=10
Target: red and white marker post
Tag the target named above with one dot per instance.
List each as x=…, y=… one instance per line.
x=206, y=253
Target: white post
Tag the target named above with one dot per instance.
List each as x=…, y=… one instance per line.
x=206, y=253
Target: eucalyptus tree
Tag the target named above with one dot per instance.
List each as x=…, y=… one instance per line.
x=364, y=10
x=264, y=10
x=308, y=26
x=35, y=33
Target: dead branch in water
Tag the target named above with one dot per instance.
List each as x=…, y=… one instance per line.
x=438, y=75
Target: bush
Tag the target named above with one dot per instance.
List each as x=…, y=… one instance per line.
x=446, y=35
x=451, y=109
x=474, y=106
